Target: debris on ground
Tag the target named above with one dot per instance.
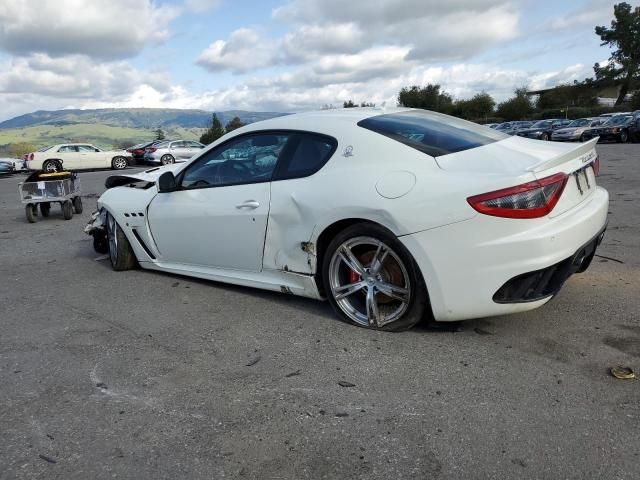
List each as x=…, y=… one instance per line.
x=623, y=373
x=342, y=414
x=292, y=374
x=480, y=331
x=253, y=361
x=342, y=383
x=47, y=459
x=101, y=385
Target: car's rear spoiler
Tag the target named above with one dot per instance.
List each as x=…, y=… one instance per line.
x=585, y=152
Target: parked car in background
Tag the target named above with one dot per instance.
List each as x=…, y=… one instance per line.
x=515, y=127
x=634, y=129
x=76, y=156
x=616, y=129
x=172, y=151
x=7, y=165
x=137, y=151
x=575, y=130
x=543, y=129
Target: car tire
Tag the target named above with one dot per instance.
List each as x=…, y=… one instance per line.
x=31, y=211
x=545, y=137
x=367, y=306
x=101, y=244
x=167, y=159
x=77, y=205
x=45, y=209
x=120, y=251
x=67, y=210
x=119, y=163
x=52, y=166
x=623, y=137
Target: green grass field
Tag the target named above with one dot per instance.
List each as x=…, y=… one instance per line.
x=105, y=136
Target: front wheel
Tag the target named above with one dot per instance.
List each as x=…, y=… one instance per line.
x=624, y=137
x=167, y=160
x=120, y=252
x=31, y=212
x=545, y=136
x=119, y=163
x=45, y=209
x=77, y=205
x=67, y=210
x=372, y=281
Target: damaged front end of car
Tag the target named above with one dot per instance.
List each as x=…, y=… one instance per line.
x=97, y=228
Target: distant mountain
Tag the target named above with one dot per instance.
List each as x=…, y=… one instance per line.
x=148, y=118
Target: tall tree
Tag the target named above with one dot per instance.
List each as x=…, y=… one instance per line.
x=429, y=97
x=214, y=132
x=479, y=107
x=624, y=37
x=159, y=134
x=517, y=107
x=233, y=124
x=349, y=104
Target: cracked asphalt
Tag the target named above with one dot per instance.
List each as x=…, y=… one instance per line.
x=145, y=375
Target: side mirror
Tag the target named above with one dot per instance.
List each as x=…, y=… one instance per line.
x=166, y=182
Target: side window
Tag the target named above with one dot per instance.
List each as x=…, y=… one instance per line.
x=68, y=149
x=176, y=145
x=308, y=154
x=247, y=159
x=86, y=148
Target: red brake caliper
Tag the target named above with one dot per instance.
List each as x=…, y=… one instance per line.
x=353, y=277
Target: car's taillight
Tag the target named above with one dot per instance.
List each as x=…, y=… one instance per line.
x=30, y=157
x=596, y=166
x=529, y=200
x=151, y=149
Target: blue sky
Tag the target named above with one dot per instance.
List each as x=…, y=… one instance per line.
x=285, y=55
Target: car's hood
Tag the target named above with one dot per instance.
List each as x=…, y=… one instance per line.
x=514, y=155
x=150, y=175
x=569, y=130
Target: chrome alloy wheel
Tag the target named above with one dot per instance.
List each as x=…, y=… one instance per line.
x=119, y=163
x=369, y=282
x=112, y=235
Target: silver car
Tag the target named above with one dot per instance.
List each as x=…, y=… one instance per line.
x=172, y=151
x=575, y=130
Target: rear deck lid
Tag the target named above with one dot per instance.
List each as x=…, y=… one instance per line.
x=518, y=156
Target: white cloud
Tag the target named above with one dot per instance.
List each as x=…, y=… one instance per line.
x=101, y=28
x=245, y=50
x=200, y=6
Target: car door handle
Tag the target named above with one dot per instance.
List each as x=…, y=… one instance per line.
x=249, y=204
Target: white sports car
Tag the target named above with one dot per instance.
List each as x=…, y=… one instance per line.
x=393, y=215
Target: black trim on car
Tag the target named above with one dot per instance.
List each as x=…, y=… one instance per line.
x=546, y=282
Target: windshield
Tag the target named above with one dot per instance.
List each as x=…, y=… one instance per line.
x=542, y=124
x=581, y=122
x=618, y=120
x=44, y=149
x=432, y=133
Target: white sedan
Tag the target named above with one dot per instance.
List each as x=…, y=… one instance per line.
x=76, y=156
x=392, y=215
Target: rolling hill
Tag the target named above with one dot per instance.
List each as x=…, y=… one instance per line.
x=110, y=127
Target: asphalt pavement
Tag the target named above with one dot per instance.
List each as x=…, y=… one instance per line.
x=146, y=375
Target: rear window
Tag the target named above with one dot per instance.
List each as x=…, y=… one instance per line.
x=432, y=133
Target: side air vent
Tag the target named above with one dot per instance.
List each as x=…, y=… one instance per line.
x=142, y=244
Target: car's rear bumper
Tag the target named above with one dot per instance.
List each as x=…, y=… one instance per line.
x=466, y=263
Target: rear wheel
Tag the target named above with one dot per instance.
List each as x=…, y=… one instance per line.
x=67, y=210
x=45, y=208
x=167, y=159
x=544, y=136
x=119, y=163
x=582, y=138
x=31, y=212
x=120, y=252
x=372, y=281
x=51, y=166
